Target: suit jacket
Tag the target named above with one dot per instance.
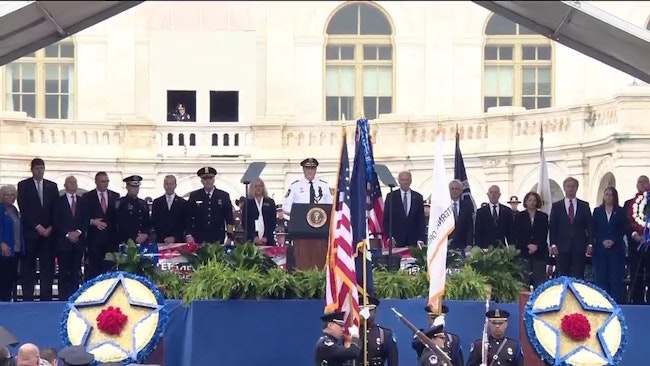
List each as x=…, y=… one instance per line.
x=64, y=222
x=250, y=213
x=29, y=204
x=487, y=232
x=570, y=237
x=535, y=232
x=406, y=229
x=613, y=229
x=169, y=221
x=463, y=234
x=101, y=240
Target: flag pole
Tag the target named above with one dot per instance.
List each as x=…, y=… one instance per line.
x=364, y=279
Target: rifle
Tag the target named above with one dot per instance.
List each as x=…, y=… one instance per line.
x=426, y=341
x=484, y=341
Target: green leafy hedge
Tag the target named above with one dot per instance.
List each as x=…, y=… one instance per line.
x=246, y=273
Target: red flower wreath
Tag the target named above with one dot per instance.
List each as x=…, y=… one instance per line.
x=111, y=321
x=576, y=326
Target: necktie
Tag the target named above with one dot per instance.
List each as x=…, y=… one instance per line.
x=169, y=202
x=494, y=214
x=73, y=205
x=406, y=204
x=102, y=202
x=572, y=212
x=39, y=189
x=456, y=210
x=312, y=193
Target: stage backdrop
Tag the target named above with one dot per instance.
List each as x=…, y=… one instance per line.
x=280, y=333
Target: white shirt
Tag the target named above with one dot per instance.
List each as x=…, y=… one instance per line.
x=492, y=207
x=70, y=198
x=408, y=199
x=298, y=192
x=170, y=199
x=567, y=202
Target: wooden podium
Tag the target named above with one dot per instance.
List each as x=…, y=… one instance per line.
x=309, y=229
x=530, y=356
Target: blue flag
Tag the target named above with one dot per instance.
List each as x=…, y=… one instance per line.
x=461, y=174
x=361, y=195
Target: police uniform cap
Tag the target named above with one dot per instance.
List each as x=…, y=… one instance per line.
x=133, y=180
x=71, y=349
x=278, y=207
x=427, y=203
x=497, y=314
x=514, y=199
x=373, y=302
x=7, y=338
x=444, y=309
x=435, y=331
x=207, y=172
x=78, y=357
x=309, y=163
x=112, y=364
x=336, y=317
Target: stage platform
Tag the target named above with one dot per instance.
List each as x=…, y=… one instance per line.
x=279, y=333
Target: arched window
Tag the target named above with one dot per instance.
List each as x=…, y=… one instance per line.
x=226, y=139
x=181, y=139
x=42, y=83
x=358, y=63
x=170, y=139
x=236, y=142
x=517, y=66
x=192, y=139
x=215, y=139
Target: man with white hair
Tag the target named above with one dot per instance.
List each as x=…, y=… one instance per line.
x=28, y=355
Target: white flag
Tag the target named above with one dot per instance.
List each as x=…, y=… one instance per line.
x=441, y=224
x=544, y=184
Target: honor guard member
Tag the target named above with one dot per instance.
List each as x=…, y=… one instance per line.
x=502, y=351
x=381, y=347
x=439, y=337
x=210, y=212
x=307, y=189
x=330, y=350
x=427, y=211
x=132, y=213
x=451, y=346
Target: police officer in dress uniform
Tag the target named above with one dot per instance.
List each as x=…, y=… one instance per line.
x=210, y=212
x=451, y=346
x=439, y=337
x=330, y=350
x=307, y=189
x=502, y=351
x=427, y=212
x=381, y=346
x=132, y=213
x=514, y=204
x=77, y=356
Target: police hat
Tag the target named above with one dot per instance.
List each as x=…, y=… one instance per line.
x=113, y=364
x=373, y=302
x=7, y=339
x=70, y=349
x=309, y=163
x=435, y=331
x=427, y=203
x=514, y=199
x=497, y=314
x=133, y=181
x=78, y=357
x=336, y=317
x=278, y=207
x=444, y=309
x=207, y=172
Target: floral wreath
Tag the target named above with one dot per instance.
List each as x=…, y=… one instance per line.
x=117, y=316
x=638, y=213
x=573, y=322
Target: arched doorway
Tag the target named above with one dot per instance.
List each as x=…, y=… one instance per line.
x=608, y=180
x=556, y=191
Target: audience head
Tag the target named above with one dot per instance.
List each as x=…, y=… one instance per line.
x=28, y=355
x=642, y=183
x=532, y=201
x=404, y=179
x=570, y=186
x=610, y=196
x=50, y=355
x=455, y=189
x=8, y=194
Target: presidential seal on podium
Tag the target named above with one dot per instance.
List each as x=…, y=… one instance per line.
x=570, y=322
x=316, y=217
x=117, y=316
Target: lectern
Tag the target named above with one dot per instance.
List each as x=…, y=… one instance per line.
x=309, y=228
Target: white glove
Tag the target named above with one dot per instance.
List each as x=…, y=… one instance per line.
x=439, y=320
x=365, y=313
x=354, y=331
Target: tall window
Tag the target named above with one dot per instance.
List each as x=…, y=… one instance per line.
x=517, y=66
x=41, y=84
x=358, y=63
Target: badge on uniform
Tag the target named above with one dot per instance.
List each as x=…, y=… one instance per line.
x=219, y=202
x=378, y=341
x=288, y=193
x=199, y=202
x=510, y=351
x=433, y=359
x=328, y=342
x=129, y=207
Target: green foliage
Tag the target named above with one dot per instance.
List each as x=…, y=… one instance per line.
x=466, y=284
x=171, y=284
x=454, y=259
x=310, y=284
x=130, y=261
x=395, y=285
x=504, y=270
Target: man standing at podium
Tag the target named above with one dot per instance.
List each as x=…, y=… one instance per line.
x=307, y=189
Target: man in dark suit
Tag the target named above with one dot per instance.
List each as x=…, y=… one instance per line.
x=99, y=205
x=70, y=224
x=407, y=209
x=209, y=210
x=462, y=238
x=35, y=199
x=570, y=232
x=169, y=214
x=639, y=260
x=494, y=222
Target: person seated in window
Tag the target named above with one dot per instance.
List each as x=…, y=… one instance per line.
x=180, y=114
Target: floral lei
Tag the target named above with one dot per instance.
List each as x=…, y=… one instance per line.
x=639, y=217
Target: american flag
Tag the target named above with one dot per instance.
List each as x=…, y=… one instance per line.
x=341, y=292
